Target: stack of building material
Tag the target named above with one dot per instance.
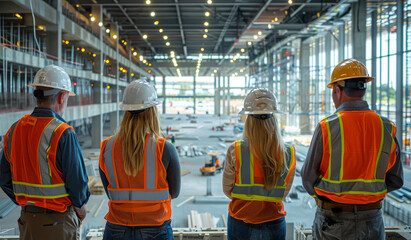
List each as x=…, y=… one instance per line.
x=201, y=220
x=97, y=188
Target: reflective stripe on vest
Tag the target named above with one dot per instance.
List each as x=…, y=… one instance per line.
x=335, y=183
x=246, y=188
x=118, y=194
x=45, y=190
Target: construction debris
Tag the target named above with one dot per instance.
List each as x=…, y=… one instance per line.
x=201, y=220
x=185, y=172
x=97, y=188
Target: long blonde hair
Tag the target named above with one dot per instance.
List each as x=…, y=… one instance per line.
x=133, y=130
x=265, y=142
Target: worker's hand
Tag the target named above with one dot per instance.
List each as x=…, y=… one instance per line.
x=80, y=212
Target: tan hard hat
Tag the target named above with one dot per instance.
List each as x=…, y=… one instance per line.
x=349, y=69
x=259, y=101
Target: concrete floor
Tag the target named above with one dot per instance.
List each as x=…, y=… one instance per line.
x=299, y=211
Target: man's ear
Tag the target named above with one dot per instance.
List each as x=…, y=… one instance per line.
x=60, y=97
x=338, y=90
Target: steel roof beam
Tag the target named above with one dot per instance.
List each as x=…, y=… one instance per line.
x=135, y=26
x=226, y=25
x=180, y=23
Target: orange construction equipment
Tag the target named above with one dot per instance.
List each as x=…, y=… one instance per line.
x=349, y=69
x=212, y=167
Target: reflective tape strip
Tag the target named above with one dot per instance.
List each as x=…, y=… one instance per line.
x=126, y=195
x=335, y=143
x=44, y=146
x=277, y=192
x=151, y=173
x=40, y=190
x=9, y=142
x=357, y=186
x=245, y=163
x=108, y=152
x=385, y=148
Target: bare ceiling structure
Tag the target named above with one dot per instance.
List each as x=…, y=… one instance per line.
x=218, y=30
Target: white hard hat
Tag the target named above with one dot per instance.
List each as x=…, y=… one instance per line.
x=259, y=101
x=53, y=77
x=139, y=95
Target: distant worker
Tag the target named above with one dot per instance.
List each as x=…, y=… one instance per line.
x=353, y=161
x=42, y=167
x=140, y=170
x=258, y=174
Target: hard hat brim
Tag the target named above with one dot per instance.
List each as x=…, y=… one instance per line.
x=367, y=79
x=134, y=107
x=45, y=85
x=244, y=112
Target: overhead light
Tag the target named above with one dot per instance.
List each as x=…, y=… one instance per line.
x=206, y=30
x=156, y=22
x=107, y=30
x=132, y=74
x=206, y=24
x=255, y=36
x=148, y=2
x=250, y=43
x=67, y=42
x=269, y=26
x=125, y=43
x=92, y=19
x=94, y=55
x=115, y=36
x=144, y=61
x=18, y=15
x=77, y=5
x=259, y=33
x=132, y=49
x=205, y=36
x=276, y=19
x=209, y=1
x=141, y=58
x=242, y=50
x=40, y=27
x=160, y=30
x=207, y=14
x=145, y=36
x=134, y=53
x=82, y=49
x=167, y=43
x=202, y=49
x=172, y=54
x=149, y=64
x=290, y=1
x=153, y=14
x=165, y=37
x=100, y=24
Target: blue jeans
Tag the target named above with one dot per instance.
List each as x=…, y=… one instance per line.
x=120, y=232
x=348, y=225
x=237, y=230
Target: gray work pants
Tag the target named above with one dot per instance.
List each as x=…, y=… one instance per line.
x=348, y=225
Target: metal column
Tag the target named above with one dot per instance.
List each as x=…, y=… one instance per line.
x=374, y=59
x=317, y=82
x=228, y=96
x=359, y=29
x=270, y=72
x=164, y=94
x=327, y=92
x=115, y=116
x=400, y=63
x=305, y=87
x=341, y=43
x=224, y=95
x=194, y=94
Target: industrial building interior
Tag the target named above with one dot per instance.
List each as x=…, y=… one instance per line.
x=203, y=57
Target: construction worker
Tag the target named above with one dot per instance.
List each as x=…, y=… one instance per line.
x=140, y=171
x=353, y=161
x=258, y=174
x=42, y=167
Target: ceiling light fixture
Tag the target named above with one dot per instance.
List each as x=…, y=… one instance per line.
x=18, y=15
x=207, y=14
x=156, y=22
x=205, y=36
x=153, y=14
x=202, y=49
x=145, y=36
x=165, y=37
x=108, y=30
x=167, y=43
x=115, y=36
x=259, y=33
x=209, y=1
x=148, y=2
x=255, y=36
x=141, y=58
x=206, y=24
x=250, y=43
x=290, y=2
x=134, y=53
x=242, y=50
x=160, y=30
x=92, y=19
x=100, y=24
x=206, y=30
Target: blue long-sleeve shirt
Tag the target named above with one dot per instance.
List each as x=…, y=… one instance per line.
x=69, y=161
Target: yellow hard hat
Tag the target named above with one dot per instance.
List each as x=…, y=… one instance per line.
x=349, y=69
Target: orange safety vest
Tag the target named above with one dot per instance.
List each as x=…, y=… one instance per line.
x=358, y=150
x=30, y=146
x=251, y=202
x=143, y=200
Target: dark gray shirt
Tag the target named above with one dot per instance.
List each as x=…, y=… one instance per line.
x=310, y=171
x=171, y=164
